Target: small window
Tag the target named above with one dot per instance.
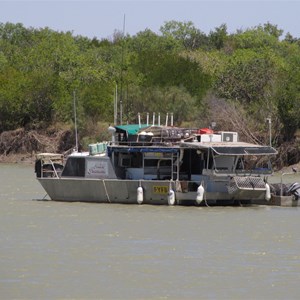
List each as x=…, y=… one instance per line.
x=124, y=160
x=75, y=166
x=150, y=162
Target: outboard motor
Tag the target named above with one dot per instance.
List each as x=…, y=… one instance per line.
x=295, y=190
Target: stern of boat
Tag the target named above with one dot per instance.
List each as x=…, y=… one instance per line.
x=252, y=188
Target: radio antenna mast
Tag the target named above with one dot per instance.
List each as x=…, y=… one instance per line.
x=75, y=120
x=122, y=61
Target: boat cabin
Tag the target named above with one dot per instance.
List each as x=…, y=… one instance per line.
x=162, y=153
x=184, y=154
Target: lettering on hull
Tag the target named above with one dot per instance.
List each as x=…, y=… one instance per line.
x=163, y=190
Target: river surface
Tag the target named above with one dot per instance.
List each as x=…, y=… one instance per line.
x=55, y=250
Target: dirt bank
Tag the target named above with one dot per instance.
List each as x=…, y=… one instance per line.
x=17, y=158
x=21, y=146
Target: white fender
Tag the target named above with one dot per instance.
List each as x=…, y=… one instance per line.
x=171, y=197
x=139, y=195
x=200, y=194
x=268, y=192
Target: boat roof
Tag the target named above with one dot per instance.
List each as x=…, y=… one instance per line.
x=130, y=149
x=231, y=148
x=220, y=148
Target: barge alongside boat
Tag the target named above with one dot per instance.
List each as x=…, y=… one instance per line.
x=161, y=165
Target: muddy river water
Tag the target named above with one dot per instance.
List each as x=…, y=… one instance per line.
x=54, y=250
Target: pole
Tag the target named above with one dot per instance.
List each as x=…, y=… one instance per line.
x=269, y=120
x=270, y=131
x=122, y=61
x=75, y=120
x=116, y=105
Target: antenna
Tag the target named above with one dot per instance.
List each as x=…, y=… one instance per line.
x=116, y=105
x=75, y=120
x=122, y=61
x=269, y=120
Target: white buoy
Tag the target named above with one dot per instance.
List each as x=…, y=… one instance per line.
x=200, y=194
x=140, y=195
x=268, y=192
x=171, y=197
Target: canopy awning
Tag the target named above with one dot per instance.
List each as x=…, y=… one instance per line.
x=259, y=150
x=130, y=129
x=238, y=148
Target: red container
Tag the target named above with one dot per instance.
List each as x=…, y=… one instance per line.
x=205, y=131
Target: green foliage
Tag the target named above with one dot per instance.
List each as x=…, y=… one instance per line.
x=180, y=70
x=11, y=98
x=257, y=38
x=185, y=34
x=288, y=97
x=159, y=62
x=218, y=37
x=161, y=100
x=97, y=101
x=247, y=76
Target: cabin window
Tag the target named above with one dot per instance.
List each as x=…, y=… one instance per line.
x=257, y=163
x=125, y=160
x=155, y=163
x=159, y=167
x=197, y=162
x=239, y=164
x=75, y=166
x=137, y=160
x=224, y=163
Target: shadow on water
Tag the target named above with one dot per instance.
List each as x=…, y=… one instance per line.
x=43, y=199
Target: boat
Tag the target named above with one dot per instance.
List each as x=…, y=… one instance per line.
x=167, y=165
x=285, y=194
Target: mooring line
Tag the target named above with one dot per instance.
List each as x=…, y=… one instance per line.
x=107, y=196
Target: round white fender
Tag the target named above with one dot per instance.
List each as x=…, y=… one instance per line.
x=268, y=192
x=200, y=194
x=171, y=197
x=139, y=195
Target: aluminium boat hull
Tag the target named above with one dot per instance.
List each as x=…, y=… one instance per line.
x=154, y=192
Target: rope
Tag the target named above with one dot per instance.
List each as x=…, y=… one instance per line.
x=107, y=196
x=205, y=201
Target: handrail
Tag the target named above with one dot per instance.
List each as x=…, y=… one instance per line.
x=54, y=168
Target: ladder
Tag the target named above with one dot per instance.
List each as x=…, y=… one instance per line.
x=175, y=166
